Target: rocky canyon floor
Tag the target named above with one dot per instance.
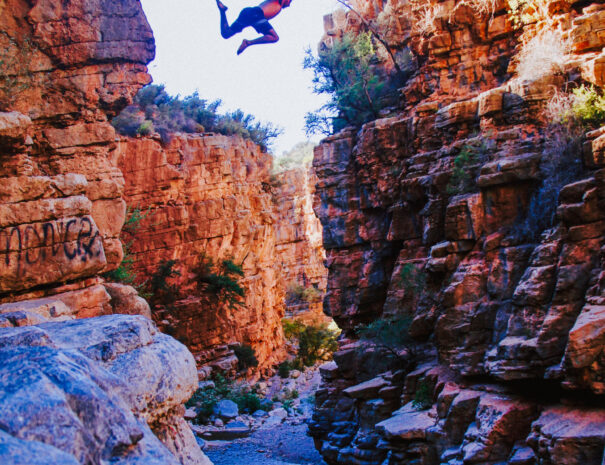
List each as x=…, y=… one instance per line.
x=282, y=445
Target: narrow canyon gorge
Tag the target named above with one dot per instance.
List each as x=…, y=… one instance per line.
x=456, y=236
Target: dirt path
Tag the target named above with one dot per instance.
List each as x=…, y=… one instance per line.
x=283, y=445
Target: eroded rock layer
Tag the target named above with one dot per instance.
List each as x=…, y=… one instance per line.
x=212, y=196
x=76, y=389
x=299, y=245
x=440, y=213
x=208, y=196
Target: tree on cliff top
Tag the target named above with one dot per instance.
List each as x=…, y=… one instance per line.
x=346, y=73
x=155, y=110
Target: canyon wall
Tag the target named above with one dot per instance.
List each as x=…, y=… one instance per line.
x=77, y=389
x=438, y=219
x=299, y=245
x=214, y=196
x=208, y=195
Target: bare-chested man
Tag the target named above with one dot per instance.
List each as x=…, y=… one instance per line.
x=257, y=17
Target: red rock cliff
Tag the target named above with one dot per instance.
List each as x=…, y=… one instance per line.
x=103, y=389
x=62, y=209
x=212, y=195
x=506, y=308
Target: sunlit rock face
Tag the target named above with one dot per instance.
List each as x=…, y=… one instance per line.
x=208, y=196
x=77, y=389
x=495, y=291
x=62, y=211
x=214, y=196
x=299, y=245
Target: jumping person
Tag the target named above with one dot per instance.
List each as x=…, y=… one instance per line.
x=257, y=17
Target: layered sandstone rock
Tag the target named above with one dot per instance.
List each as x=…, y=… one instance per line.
x=213, y=196
x=495, y=291
x=299, y=245
x=76, y=389
x=208, y=196
x=62, y=209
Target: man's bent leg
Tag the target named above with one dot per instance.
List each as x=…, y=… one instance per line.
x=226, y=31
x=269, y=38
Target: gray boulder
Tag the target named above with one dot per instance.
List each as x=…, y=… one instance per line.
x=100, y=390
x=226, y=409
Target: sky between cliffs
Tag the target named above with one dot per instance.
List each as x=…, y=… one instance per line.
x=266, y=80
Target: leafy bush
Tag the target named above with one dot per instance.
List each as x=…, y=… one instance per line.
x=462, y=180
x=346, y=74
x=205, y=399
x=284, y=369
x=146, y=128
x=422, y=398
x=297, y=292
x=316, y=343
x=392, y=334
x=155, y=109
x=162, y=290
x=125, y=273
x=412, y=279
x=246, y=357
x=221, y=281
x=292, y=328
x=588, y=106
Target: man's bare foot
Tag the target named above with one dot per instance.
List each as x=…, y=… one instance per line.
x=243, y=46
x=221, y=6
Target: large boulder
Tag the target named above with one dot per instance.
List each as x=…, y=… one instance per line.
x=95, y=390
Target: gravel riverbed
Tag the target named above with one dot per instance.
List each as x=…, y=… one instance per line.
x=282, y=445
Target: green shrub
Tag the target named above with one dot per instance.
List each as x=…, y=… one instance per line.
x=125, y=273
x=205, y=399
x=284, y=369
x=345, y=72
x=422, y=398
x=146, y=128
x=297, y=293
x=392, y=334
x=246, y=357
x=221, y=281
x=412, y=279
x=588, y=106
x=462, y=180
x=162, y=290
x=292, y=328
x=168, y=114
x=316, y=343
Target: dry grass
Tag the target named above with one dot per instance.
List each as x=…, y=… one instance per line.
x=425, y=18
x=543, y=54
x=559, y=109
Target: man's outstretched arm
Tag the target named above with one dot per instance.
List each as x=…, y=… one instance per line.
x=268, y=38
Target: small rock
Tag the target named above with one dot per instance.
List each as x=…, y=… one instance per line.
x=226, y=409
x=218, y=423
x=190, y=414
x=260, y=414
x=295, y=374
x=280, y=413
